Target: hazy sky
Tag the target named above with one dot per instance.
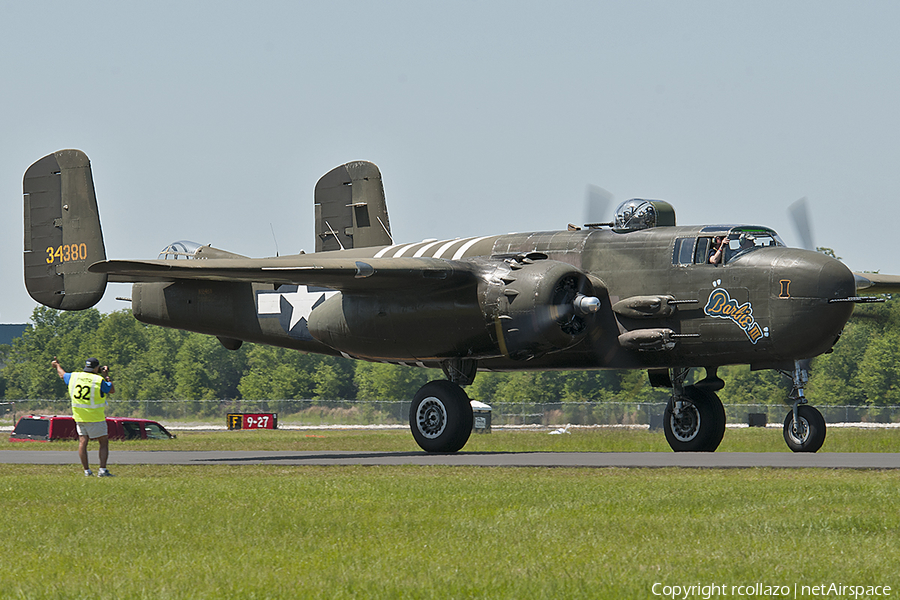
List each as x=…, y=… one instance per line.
x=212, y=121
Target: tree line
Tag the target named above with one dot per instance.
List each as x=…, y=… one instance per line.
x=150, y=363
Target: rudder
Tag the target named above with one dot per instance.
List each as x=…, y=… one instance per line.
x=350, y=208
x=62, y=232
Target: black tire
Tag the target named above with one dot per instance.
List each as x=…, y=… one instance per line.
x=440, y=417
x=810, y=434
x=701, y=425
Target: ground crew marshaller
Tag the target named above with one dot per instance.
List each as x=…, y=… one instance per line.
x=88, y=391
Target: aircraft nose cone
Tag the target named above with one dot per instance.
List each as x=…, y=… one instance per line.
x=805, y=322
x=836, y=281
x=814, y=276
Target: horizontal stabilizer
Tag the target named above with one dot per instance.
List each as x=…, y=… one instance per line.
x=62, y=232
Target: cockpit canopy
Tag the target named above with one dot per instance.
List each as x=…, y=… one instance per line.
x=740, y=240
x=638, y=213
x=182, y=249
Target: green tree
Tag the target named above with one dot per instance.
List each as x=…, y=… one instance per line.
x=50, y=334
x=484, y=388
x=589, y=386
x=531, y=387
x=118, y=339
x=5, y=349
x=277, y=374
x=333, y=379
x=879, y=370
x=834, y=377
x=743, y=386
x=152, y=373
x=193, y=378
x=387, y=382
x=634, y=386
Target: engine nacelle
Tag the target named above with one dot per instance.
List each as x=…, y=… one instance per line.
x=537, y=306
x=404, y=325
x=520, y=307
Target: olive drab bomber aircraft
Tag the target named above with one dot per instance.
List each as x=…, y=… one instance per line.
x=638, y=293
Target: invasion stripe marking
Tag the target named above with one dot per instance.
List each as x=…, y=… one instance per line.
x=384, y=251
x=465, y=247
x=425, y=249
x=403, y=250
x=445, y=247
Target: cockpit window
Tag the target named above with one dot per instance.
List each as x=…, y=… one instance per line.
x=702, y=253
x=684, y=251
x=704, y=249
x=743, y=240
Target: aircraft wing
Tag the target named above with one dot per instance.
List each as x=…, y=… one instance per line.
x=343, y=274
x=876, y=283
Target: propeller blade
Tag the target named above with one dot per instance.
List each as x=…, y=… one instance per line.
x=799, y=212
x=596, y=203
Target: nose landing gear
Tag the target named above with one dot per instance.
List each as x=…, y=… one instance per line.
x=804, y=426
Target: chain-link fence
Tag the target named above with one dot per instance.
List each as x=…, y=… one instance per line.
x=616, y=413
x=364, y=412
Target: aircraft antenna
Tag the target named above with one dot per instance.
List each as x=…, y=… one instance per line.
x=336, y=238
x=274, y=239
x=383, y=226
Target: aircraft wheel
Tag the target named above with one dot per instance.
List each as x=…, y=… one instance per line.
x=700, y=426
x=440, y=417
x=809, y=434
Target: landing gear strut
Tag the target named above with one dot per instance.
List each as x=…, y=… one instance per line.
x=694, y=420
x=804, y=426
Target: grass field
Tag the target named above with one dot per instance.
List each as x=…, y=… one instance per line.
x=445, y=532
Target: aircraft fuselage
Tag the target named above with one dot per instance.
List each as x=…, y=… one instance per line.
x=663, y=305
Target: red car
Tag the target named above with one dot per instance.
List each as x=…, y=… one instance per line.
x=43, y=428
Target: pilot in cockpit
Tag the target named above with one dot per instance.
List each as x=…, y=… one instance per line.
x=717, y=252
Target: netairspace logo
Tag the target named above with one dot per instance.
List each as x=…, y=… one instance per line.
x=713, y=590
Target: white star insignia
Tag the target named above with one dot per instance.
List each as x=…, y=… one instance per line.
x=302, y=301
x=301, y=305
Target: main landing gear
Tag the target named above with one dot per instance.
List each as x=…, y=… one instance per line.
x=694, y=420
x=804, y=426
x=440, y=415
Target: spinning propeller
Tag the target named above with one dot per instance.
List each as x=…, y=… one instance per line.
x=799, y=212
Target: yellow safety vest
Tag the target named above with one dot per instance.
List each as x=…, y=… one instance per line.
x=88, y=405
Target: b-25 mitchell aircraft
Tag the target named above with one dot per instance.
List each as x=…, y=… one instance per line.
x=639, y=293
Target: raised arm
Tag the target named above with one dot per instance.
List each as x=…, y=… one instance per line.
x=59, y=369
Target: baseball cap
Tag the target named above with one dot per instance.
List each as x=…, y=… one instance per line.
x=91, y=364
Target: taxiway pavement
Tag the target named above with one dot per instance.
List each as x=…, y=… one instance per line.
x=716, y=460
